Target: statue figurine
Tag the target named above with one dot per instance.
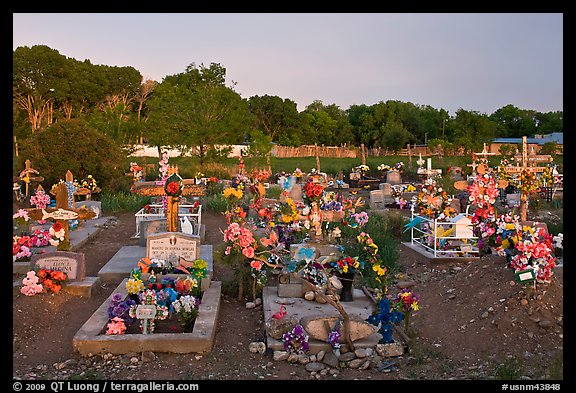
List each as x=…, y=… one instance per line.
x=316, y=219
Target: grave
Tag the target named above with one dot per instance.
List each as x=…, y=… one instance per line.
x=63, y=213
x=304, y=310
x=90, y=338
x=393, y=177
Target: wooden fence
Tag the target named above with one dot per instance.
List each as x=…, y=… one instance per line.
x=345, y=151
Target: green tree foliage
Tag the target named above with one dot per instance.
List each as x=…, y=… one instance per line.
x=75, y=146
x=278, y=118
x=514, y=122
x=196, y=110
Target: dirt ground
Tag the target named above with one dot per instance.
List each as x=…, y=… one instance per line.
x=475, y=324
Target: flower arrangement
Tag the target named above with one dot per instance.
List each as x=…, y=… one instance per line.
x=149, y=298
x=286, y=212
x=346, y=265
x=186, y=308
x=433, y=202
x=385, y=317
x=134, y=285
x=406, y=301
x=240, y=240
x=58, y=235
x=21, y=247
x=334, y=337
x=186, y=286
x=313, y=192
x=363, y=168
x=399, y=166
x=527, y=182
x=89, y=183
x=136, y=171
x=21, y=217
x=31, y=285
x=534, y=250
x=384, y=167
x=52, y=280
x=315, y=273
x=40, y=199
x=116, y=326
x=296, y=340
x=119, y=307
x=174, y=185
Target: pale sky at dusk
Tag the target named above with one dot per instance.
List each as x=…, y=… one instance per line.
x=478, y=62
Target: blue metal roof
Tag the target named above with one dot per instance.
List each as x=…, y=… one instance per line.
x=557, y=137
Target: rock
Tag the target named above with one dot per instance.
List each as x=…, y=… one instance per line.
x=524, y=302
x=545, y=323
x=310, y=295
x=134, y=360
x=360, y=353
x=148, y=356
x=346, y=357
x=320, y=356
x=390, y=349
x=257, y=347
x=355, y=363
x=292, y=358
x=277, y=327
x=315, y=367
x=258, y=301
x=484, y=315
x=330, y=359
x=280, y=356
x=303, y=359
x=250, y=305
x=318, y=327
x=405, y=284
x=364, y=365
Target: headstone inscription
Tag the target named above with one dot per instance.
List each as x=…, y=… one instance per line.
x=170, y=246
x=71, y=263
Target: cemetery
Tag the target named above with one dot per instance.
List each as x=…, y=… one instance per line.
x=311, y=274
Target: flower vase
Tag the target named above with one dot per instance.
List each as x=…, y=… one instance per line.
x=347, y=279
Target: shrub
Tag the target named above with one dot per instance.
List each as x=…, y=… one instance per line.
x=72, y=145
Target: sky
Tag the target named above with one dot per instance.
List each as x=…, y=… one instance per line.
x=472, y=61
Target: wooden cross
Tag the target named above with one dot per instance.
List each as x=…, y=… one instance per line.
x=26, y=177
x=62, y=213
x=151, y=188
x=520, y=169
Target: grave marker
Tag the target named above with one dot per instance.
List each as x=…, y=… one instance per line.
x=27, y=176
x=71, y=263
x=171, y=246
x=62, y=213
x=188, y=188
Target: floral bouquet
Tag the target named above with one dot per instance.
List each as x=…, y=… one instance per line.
x=58, y=236
x=40, y=199
x=363, y=168
x=399, y=166
x=116, y=326
x=31, y=285
x=313, y=192
x=433, y=201
x=20, y=247
x=90, y=183
x=346, y=265
x=174, y=185
x=186, y=308
x=240, y=240
x=52, y=280
x=119, y=307
x=534, y=251
x=384, y=168
x=21, y=217
x=296, y=340
x=406, y=301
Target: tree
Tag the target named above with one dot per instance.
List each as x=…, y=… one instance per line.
x=276, y=117
x=194, y=110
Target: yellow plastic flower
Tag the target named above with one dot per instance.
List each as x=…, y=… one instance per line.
x=379, y=270
x=200, y=264
x=134, y=286
x=415, y=306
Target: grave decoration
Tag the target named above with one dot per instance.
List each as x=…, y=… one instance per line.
x=40, y=200
x=384, y=317
x=525, y=247
x=28, y=175
x=171, y=187
x=406, y=301
x=43, y=281
x=137, y=171
x=63, y=212
x=87, y=187
x=482, y=194
x=524, y=175
x=148, y=311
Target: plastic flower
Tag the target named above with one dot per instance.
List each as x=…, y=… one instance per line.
x=116, y=326
x=133, y=286
x=296, y=340
x=30, y=284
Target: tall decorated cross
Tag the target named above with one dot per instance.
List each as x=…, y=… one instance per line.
x=63, y=212
x=29, y=175
x=528, y=166
x=174, y=188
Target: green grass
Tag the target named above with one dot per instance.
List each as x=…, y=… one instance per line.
x=510, y=369
x=122, y=202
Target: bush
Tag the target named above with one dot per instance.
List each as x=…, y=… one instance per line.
x=122, y=202
x=72, y=145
